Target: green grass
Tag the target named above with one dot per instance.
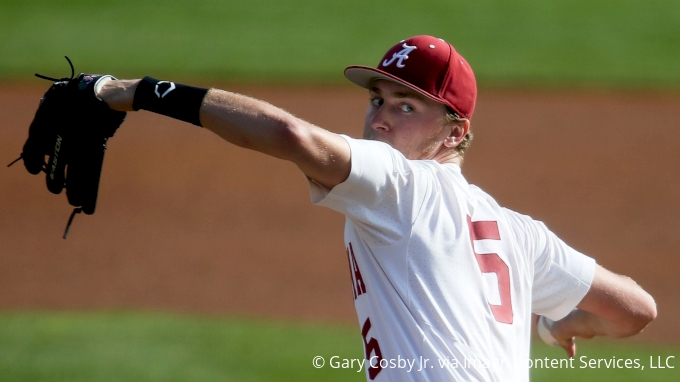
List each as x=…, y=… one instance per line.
x=623, y=43
x=154, y=347
x=593, y=357
x=142, y=347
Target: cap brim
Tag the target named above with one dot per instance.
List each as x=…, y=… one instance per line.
x=364, y=76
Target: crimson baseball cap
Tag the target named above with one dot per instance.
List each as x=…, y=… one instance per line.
x=428, y=65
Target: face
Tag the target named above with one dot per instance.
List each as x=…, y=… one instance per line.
x=406, y=120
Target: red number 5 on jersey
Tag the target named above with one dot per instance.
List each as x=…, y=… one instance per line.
x=492, y=263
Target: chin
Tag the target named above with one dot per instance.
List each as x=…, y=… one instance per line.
x=372, y=136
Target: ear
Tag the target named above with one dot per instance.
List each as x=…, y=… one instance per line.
x=459, y=130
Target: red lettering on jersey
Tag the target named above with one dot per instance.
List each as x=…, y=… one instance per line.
x=492, y=263
x=351, y=274
x=371, y=347
x=483, y=230
x=358, y=286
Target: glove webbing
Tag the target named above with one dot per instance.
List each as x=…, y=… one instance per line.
x=73, y=73
x=76, y=210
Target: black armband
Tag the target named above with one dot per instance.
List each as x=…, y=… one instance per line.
x=170, y=99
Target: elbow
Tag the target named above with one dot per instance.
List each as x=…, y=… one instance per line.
x=298, y=141
x=624, y=308
x=647, y=313
x=281, y=138
x=644, y=313
x=293, y=136
x=294, y=131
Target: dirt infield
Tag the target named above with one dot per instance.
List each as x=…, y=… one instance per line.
x=187, y=222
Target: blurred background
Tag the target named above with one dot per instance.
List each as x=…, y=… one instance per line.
x=208, y=262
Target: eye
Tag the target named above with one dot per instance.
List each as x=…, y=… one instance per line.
x=377, y=102
x=406, y=108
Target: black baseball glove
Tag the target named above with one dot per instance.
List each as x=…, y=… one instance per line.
x=71, y=128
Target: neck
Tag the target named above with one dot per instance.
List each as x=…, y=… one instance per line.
x=450, y=157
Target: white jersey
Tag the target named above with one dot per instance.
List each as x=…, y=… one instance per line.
x=445, y=280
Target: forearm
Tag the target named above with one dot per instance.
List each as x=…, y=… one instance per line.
x=256, y=125
x=583, y=324
x=253, y=124
x=239, y=119
x=621, y=306
x=614, y=306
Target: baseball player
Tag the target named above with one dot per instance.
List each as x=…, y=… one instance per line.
x=444, y=280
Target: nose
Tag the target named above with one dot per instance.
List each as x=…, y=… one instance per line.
x=378, y=119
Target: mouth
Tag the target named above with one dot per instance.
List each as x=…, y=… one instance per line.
x=374, y=135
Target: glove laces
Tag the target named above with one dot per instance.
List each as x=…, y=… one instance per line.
x=73, y=73
x=76, y=210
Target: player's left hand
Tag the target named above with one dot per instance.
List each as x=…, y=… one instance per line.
x=553, y=333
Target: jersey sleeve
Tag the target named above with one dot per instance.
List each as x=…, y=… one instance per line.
x=561, y=275
x=378, y=195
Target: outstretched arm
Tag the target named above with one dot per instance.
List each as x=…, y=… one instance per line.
x=614, y=306
x=250, y=123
